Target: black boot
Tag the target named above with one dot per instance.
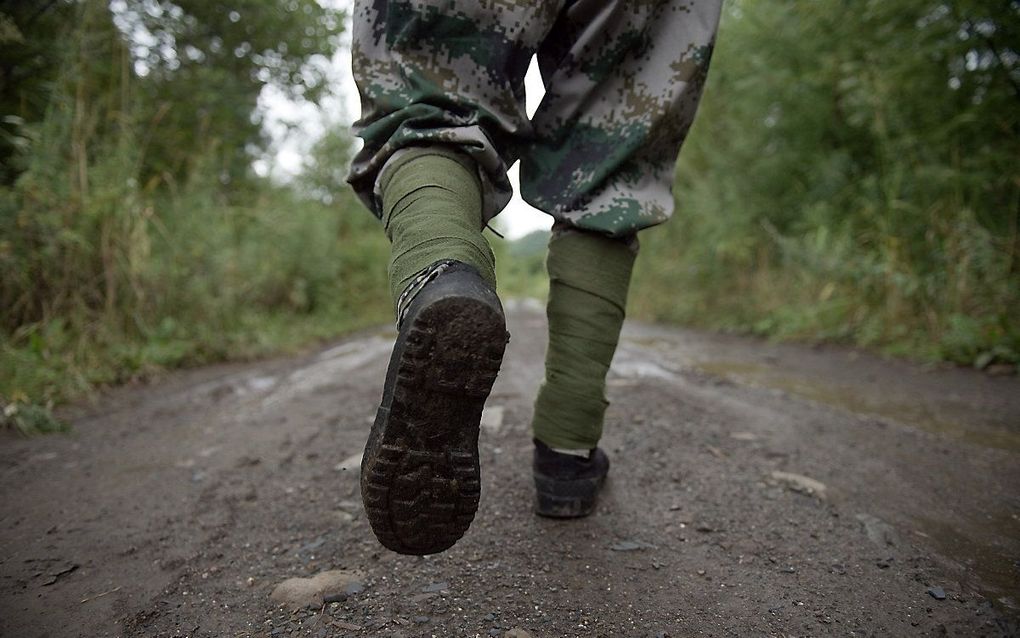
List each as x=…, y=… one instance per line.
x=419, y=475
x=567, y=485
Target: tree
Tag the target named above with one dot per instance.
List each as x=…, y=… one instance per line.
x=33, y=42
x=203, y=64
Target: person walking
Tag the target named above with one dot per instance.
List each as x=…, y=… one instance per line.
x=441, y=84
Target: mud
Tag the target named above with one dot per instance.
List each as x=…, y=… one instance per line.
x=175, y=509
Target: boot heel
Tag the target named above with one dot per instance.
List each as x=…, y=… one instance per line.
x=558, y=498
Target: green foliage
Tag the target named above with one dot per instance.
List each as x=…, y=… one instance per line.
x=520, y=265
x=66, y=224
x=33, y=43
x=203, y=65
x=325, y=174
x=112, y=272
x=29, y=418
x=209, y=281
x=852, y=176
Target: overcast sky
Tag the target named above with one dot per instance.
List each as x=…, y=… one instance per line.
x=294, y=127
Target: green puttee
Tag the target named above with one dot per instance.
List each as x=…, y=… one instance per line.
x=432, y=210
x=588, y=280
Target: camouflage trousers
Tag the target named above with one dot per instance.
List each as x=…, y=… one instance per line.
x=623, y=79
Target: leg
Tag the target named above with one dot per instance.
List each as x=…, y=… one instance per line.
x=588, y=279
x=623, y=80
x=441, y=78
x=589, y=276
x=432, y=210
x=446, y=73
x=442, y=92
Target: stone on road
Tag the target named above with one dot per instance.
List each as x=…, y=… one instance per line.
x=332, y=585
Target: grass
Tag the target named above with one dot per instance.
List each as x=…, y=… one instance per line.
x=520, y=266
x=214, y=283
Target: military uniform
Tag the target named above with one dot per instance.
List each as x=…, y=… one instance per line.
x=443, y=116
x=622, y=77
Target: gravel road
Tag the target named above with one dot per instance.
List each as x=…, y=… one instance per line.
x=757, y=490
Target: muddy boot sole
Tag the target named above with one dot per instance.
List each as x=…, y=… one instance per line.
x=419, y=475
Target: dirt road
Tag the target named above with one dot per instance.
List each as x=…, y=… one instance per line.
x=756, y=489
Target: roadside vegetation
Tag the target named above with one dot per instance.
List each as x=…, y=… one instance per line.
x=134, y=234
x=852, y=177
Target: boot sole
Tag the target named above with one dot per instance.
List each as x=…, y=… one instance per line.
x=420, y=476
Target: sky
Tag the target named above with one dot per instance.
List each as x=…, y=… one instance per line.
x=295, y=126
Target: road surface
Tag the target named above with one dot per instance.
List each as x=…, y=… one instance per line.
x=757, y=489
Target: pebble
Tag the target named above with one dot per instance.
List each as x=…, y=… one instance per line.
x=630, y=546
x=879, y=532
x=937, y=593
x=421, y=620
x=312, y=545
x=801, y=483
x=333, y=585
x=354, y=587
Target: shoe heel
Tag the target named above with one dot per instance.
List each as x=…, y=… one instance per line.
x=557, y=498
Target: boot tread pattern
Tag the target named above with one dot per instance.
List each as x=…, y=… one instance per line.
x=421, y=486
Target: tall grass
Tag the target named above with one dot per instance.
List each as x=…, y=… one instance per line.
x=106, y=278
x=119, y=282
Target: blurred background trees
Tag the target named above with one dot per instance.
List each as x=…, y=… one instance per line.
x=134, y=232
x=852, y=176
